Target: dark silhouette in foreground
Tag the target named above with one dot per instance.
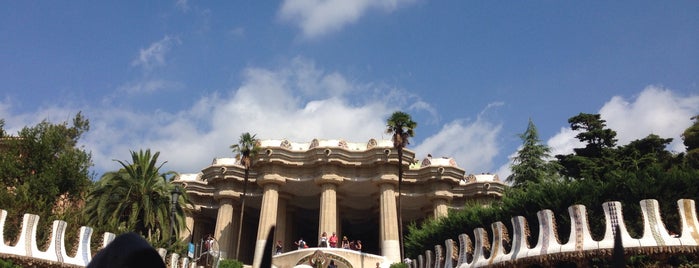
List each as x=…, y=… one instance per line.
x=131, y=250
x=127, y=250
x=267, y=257
x=618, y=259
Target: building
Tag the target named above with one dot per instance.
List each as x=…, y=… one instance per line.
x=305, y=189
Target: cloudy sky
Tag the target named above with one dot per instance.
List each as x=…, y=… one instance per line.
x=186, y=78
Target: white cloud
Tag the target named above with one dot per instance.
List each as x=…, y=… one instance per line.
x=148, y=86
x=655, y=110
x=182, y=5
x=564, y=142
x=298, y=102
x=15, y=122
x=154, y=55
x=473, y=145
x=319, y=17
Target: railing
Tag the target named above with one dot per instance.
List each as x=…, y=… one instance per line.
x=481, y=252
x=57, y=252
x=478, y=252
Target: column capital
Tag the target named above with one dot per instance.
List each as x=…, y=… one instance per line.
x=386, y=179
x=271, y=179
x=440, y=195
x=227, y=191
x=329, y=179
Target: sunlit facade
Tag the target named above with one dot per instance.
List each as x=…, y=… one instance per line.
x=305, y=189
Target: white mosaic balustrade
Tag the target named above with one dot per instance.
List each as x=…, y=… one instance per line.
x=580, y=241
x=26, y=243
x=449, y=246
x=477, y=253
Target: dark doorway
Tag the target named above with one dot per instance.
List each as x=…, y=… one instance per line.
x=365, y=229
x=306, y=223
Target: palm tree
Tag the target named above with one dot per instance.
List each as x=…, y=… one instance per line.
x=402, y=126
x=136, y=198
x=245, y=150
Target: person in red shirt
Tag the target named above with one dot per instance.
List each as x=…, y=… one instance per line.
x=333, y=241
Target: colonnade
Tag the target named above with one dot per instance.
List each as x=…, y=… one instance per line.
x=274, y=212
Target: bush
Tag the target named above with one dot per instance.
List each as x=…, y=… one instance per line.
x=399, y=265
x=230, y=264
x=8, y=264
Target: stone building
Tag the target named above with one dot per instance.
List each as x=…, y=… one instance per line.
x=305, y=189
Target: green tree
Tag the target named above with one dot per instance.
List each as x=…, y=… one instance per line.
x=246, y=150
x=402, y=126
x=531, y=164
x=642, y=169
x=639, y=154
x=690, y=137
x=593, y=132
x=44, y=171
x=591, y=161
x=136, y=198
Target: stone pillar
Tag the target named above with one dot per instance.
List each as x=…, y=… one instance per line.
x=268, y=215
x=327, y=221
x=439, y=208
x=327, y=216
x=225, y=228
x=390, y=245
x=440, y=197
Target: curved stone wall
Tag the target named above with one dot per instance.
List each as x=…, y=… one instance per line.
x=57, y=252
x=476, y=252
x=580, y=244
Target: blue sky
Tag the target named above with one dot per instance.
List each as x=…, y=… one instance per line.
x=186, y=78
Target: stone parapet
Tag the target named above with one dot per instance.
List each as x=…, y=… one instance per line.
x=655, y=238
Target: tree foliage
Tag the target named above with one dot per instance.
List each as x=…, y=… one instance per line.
x=691, y=142
x=598, y=172
x=44, y=171
x=402, y=126
x=136, y=198
x=532, y=161
x=246, y=149
x=587, y=162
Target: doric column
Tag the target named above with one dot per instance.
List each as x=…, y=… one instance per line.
x=390, y=246
x=327, y=216
x=327, y=221
x=440, y=197
x=224, y=227
x=268, y=214
x=439, y=208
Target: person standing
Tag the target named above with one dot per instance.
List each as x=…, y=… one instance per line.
x=323, y=240
x=278, y=248
x=301, y=244
x=345, y=243
x=333, y=240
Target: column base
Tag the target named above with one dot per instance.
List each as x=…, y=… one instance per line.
x=391, y=250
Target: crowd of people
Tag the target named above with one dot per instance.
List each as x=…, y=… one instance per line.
x=324, y=242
